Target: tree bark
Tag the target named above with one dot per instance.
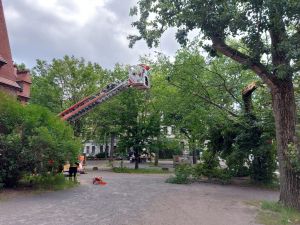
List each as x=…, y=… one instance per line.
x=284, y=110
x=193, y=148
x=156, y=158
x=112, y=144
x=136, y=158
x=247, y=97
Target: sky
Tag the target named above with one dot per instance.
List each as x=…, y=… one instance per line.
x=96, y=30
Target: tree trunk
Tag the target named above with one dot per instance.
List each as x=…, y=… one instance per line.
x=284, y=110
x=112, y=144
x=136, y=158
x=156, y=158
x=193, y=148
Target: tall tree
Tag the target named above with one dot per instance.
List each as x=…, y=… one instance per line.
x=63, y=82
x=269, y=30
x=139, y=123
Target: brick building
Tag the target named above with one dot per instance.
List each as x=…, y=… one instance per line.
x=12, y=80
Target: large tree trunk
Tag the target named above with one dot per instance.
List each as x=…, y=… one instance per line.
x=284, y=110
x=193, y=148
x=156, y=158
x=112, y=144
x=136, y=158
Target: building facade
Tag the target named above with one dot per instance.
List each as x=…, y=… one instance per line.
x=12, y=81
x=91, y=148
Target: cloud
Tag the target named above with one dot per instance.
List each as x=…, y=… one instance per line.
x=93, y=29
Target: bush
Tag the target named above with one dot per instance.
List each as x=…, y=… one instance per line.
x=182, y=174
x=236, y=164
x=32, y=140
x=48, y=181
x=200, y=170
x=263, y=164
x=168, y=148
x=101, y=155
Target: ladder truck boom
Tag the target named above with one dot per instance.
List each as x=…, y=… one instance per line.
x=138, y=78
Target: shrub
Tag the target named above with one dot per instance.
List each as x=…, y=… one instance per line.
x=48, y=181
x=182, y=174
x=30, y=138
x=223, y=175
x=198, y=170
x=168, y=148
x=263, y=164
x=101, y=155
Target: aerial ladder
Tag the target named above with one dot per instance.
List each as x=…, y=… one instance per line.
x=138, y=77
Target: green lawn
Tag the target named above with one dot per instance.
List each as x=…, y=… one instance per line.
x=273, y=213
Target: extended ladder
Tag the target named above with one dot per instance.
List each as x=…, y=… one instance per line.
x=138, y=78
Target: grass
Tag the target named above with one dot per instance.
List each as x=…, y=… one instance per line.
x=247, y=182
x=48, y=182
x=33, y=185
x=274, y=213
x=139, y=171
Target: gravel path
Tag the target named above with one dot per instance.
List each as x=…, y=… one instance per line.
x=133, y=199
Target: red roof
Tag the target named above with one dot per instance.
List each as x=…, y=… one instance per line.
x=24, y=76
x=9, y=82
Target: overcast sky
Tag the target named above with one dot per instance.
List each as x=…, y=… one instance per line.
x=93, y=29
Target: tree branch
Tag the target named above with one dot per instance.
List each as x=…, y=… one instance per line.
x=207, y=100
x=243, y=59
x=247, y=96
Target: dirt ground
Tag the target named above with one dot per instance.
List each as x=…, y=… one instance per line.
x=135, y=199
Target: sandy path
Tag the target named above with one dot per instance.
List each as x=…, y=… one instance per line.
x=132, y=199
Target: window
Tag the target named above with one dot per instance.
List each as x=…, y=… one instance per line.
x=87, y=150
x=101, y=148
x=93, y=149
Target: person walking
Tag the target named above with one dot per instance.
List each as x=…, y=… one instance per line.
x=73, y=170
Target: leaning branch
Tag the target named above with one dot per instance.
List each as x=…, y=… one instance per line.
x=243, y=59
x=209, y=101
x=247, y=96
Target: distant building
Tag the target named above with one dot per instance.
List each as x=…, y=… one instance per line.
x=92, y=149
x=12, y=81
x=168, y=131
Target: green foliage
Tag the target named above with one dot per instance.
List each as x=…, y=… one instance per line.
x=139, y=123
x=210, y=161
x=251, y=22
x=48, y=182
x=245, y=145
x=293, y=157
x=263, y=165
x=168, y=148
x=101, y=155
x=182, y=174
x=209, y=106
x=274, y=213
x=30, y=138
x=267, y=42
x=209, y=167
x=63, y=82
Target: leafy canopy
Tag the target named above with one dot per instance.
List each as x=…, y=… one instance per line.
x=268, y=30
